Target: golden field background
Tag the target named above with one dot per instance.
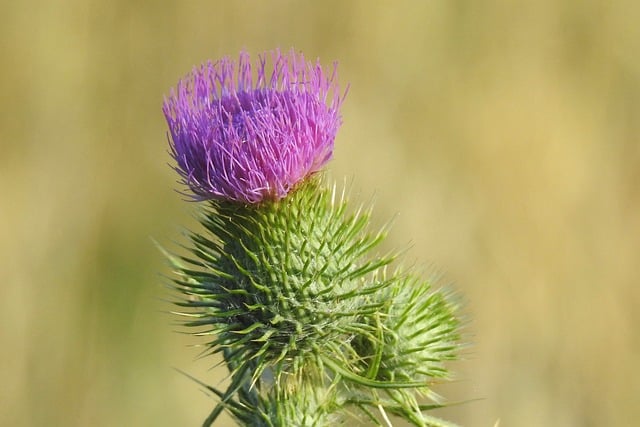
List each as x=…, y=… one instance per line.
x=504, y=136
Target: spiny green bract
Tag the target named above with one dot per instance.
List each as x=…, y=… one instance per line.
x=416, y=332
x=306, y=317
x=273, y=283
x=309, y=403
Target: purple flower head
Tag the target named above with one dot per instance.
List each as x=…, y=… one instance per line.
x=248, y=135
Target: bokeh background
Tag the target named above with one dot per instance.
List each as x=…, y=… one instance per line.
x=502, y=135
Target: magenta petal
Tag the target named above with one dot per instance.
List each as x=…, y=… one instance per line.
x=246, y=135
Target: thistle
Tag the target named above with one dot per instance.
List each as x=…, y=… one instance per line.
x=285, y=280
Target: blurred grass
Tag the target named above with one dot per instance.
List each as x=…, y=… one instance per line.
x=505, y=134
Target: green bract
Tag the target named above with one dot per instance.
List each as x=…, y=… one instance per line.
x=274, y=281
x=295, y=298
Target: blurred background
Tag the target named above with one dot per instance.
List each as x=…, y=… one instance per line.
x=504, y=137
